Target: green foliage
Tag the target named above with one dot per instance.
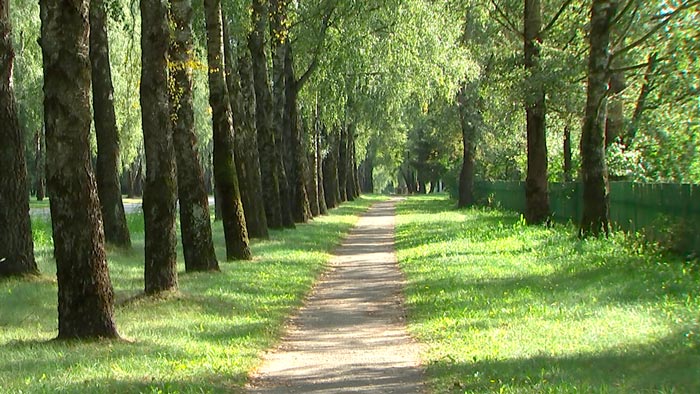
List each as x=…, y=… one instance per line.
x=205, y=338
x=508, y=308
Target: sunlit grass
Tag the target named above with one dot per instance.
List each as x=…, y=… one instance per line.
x=508, y=308
x=205, y=338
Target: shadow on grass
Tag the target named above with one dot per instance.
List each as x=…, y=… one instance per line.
x=483, y=271
x=661, y=368
x=204, y=338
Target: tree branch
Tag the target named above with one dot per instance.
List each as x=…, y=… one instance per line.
x=665, y=18
x=556, y=16
x=506, y=22
x=299, y=83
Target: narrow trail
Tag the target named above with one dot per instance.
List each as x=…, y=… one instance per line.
x=350, y=337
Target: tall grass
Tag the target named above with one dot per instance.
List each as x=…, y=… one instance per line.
x=204, y=338
x=508, y=308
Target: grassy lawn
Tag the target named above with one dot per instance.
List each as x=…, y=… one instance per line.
x=506, y=308
x=203, y=339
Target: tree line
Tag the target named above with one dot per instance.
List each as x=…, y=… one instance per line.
x=286, y=109
x=260, y=159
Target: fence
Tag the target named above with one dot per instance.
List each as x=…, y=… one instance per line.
x=665, y=212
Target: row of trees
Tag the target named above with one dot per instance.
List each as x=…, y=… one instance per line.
x=271, y=170
x=617, y=39
x=300, y=106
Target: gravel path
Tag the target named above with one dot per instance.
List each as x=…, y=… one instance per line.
x=350, y=337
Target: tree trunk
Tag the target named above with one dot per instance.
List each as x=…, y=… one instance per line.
x=322, y=206
x=245, y=147
x=349, y=163
x=596, y=194
x=195, y=221
x=355, y=169
x=160, y=189
x=297, y=171
x=107, y=166
x=342, y=164
x=16, y=245
x=281, y=124
x=264, y=116
x=640, y=106
x=330, y=173
x=312, y=181
x=567, y=153
x=235, y=231
x=246, y=141
x=366, y=173
x=615, y=121
x=39, y=165
x=85, y=295
x=536, y=193
x=468, y=124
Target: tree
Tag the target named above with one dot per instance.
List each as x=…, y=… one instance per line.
x=225, y=175
x=239, y=80
x=536, y=189
x=159, y=194
x=16, y=245
x=279, y=40
x=195, y=223
x=264, y=116
x=468, y=120
x=107, y=165
x=85, y=295
x=596, y=193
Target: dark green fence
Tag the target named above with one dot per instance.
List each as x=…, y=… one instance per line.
x=665, y=212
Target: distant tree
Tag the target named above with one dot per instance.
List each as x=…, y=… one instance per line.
x=195, y=222
x=107, y=165
x=225, y=177
x=85, y=295
x=16, y=246
x=159, y=194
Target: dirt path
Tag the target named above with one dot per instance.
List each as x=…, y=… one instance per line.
x=351, y=336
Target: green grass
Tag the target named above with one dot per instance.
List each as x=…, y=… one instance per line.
x=205, y=338
x=507, y=308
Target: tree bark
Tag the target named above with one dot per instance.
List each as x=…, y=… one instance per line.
x=640, y=105
x=247, y=142
x=322, y=206
x=536, y=188
x=342, y=164
x=159, y=194
x=195, y=221
x=350, y=163
x=85, y=295
x=279, y=41
x=312, y=181
x=16, y=245
x=264, y=116
x=39, y=165
x=567, y=153
x=297, y=171
x=468, y=124
x=107, y=165
x=235, y=231
x=596, y=194
x=331, y=184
